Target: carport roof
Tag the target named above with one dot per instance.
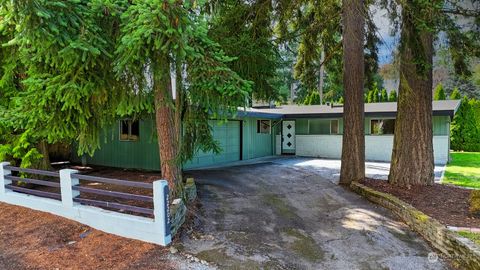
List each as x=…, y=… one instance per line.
x=382, y=109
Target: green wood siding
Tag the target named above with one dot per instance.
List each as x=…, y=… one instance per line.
x=128, y=154
x=228, y=137
x=143, y=154
x=441, y=125
x=255, y=144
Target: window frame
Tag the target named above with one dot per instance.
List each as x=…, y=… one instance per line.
x=382, y=119
x=259, y=122
x=338, y=126
x=129, y=135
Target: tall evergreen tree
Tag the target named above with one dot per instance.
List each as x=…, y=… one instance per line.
x=412, y=156
x=439, y=93
x=353, y=149
x=384, y=95
x=465, y=128
x=392, y=97
x=455, y=94
x=158, y=36
x=244, y=31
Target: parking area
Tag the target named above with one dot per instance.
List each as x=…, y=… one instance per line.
x=288, y=213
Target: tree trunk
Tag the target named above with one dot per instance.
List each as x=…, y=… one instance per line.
x=166, y=128
x=412, y=156
x=45, y=163
x=353, y=150
x=321, y=74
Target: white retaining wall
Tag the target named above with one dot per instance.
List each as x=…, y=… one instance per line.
x=377, y=147
x=155, y=230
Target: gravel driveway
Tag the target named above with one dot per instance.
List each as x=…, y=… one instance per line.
x=278, y=215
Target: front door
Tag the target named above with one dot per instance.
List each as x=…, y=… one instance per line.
x=288, y=137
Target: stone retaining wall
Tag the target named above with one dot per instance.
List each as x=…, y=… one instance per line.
x=464, y=253
x=178, y=209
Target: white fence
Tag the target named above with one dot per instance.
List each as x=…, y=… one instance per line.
x=153, y=230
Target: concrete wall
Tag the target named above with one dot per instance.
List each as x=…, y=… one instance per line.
x=377, y=148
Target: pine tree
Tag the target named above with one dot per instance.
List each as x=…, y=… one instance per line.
x=158, y=36
x=439, y=93
x=465, y=128
x=455, y=94
x=393, y=96
x=384, y=95
x=370, y=96
x=375, y=95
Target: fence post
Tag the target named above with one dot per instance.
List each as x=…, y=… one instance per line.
x=161, y=210
x=66, y=184
x=3, y=181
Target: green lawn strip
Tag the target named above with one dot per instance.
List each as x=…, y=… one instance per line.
x=463, y=170
x=475, y=237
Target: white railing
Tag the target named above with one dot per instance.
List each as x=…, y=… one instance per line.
x=68, y=204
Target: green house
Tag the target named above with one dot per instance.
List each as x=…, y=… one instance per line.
x=309, y=131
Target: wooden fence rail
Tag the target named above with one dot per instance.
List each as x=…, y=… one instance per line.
x=69, y=204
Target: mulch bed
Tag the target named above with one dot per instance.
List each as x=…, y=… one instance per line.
x=35, y=240
x=447, y=204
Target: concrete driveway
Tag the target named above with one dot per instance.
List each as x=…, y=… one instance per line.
x=279, y=215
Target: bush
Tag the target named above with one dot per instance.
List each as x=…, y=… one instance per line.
x=465, y=129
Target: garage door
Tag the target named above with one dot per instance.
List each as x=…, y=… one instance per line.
x=228, y=137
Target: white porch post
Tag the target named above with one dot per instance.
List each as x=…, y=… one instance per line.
x=3, y=181
x=161, y=210
x=66, y=184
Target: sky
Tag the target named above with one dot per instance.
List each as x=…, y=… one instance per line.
x=384, y=32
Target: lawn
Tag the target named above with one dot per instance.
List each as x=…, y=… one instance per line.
x=463, y=170
x=475, y=237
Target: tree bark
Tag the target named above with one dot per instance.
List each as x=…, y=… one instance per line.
x=166, y=128
x=353, y=146
x=44, y=163
x=321, y=74
x=412, y=156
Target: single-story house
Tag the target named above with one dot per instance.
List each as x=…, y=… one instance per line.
x=309, y=131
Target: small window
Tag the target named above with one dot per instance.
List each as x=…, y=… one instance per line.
x=383, y=126
x=263, y=126
x=334, y=127
x=129, y=130
x=319, y=127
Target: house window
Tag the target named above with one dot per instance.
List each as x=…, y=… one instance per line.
x=319, y=127
x=334, y=127
x=129, y=130
x=263, y=126
x=382, y=126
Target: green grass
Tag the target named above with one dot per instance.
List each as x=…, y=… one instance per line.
x=463, y=169
x=475, y=237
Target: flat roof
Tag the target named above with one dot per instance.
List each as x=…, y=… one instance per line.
x=384, y=109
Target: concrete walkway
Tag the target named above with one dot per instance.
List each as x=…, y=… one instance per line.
x=287, y=214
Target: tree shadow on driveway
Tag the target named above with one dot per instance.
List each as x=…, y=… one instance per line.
x=277, y=216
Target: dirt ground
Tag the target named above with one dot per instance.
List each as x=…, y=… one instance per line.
x=447, y=204
x=35, y=240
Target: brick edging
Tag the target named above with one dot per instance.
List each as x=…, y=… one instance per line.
x=463, y=252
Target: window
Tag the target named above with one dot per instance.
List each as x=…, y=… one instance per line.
x=382, y=126
x=323, y=126
x=263, y=126
x=334, y=127
x=319, y=127
x=129, y=130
